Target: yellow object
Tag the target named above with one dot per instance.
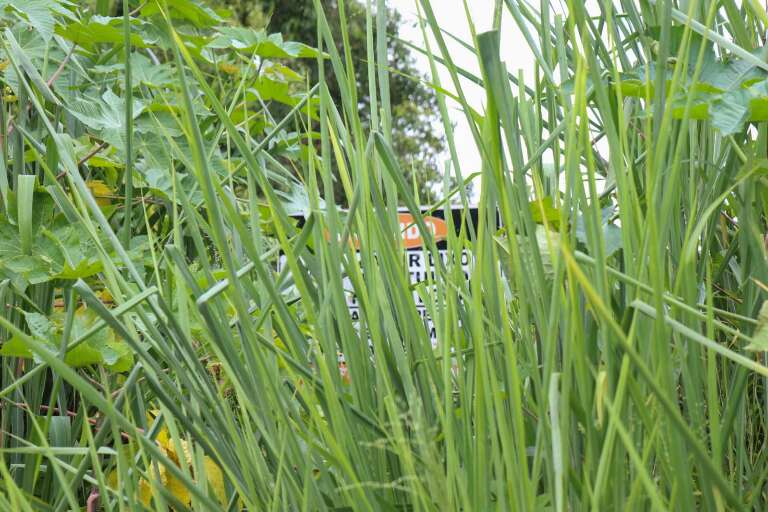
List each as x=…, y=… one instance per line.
x=211, y=470
x=101, y=192
x=229, y=69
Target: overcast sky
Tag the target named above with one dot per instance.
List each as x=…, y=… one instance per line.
x=450, y=16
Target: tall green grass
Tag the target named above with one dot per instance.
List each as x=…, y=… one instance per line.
x=596, y=359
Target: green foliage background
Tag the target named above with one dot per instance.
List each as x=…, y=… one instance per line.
x=416, y=130
x=606, y=349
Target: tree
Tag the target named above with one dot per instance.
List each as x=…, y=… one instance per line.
x=414, y=105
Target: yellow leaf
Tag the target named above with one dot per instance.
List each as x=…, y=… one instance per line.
x=178, y=489
x=215, y=479
x=112, y=479
x=173, y=485
x=145, y=490
x=229, y=69
x=105, y=296
x=101, y=192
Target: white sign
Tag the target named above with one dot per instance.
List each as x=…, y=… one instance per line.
x=421, y=265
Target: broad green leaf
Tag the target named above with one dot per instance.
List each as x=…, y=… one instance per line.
x=611, y=233
x=81, y=258
x=155, y=164
x=613, y=239
x=62, y=252
x=157, y=124
x=252, y=41
x=103, y=347
x=550, y=213
x=112, y=351
x=730, y=112
x=194, y=11
x=729, y=92
x=699, y=109
x=144, y=72
x=39, y=325
x=39, y=14
x=105, y=115
x=281, y=72
x=102, y=29
x=676, y=40
x=731, y=75
x=760, y=336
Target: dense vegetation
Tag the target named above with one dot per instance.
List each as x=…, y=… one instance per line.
x=607, y=352
x=416, y=137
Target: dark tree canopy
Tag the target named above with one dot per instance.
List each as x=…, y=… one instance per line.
x=414, y=106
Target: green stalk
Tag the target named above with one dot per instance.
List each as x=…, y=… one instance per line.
x=128, y=120
x=25, y=207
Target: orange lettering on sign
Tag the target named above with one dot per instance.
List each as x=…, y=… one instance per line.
x=409, y=231
x=411, y=234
